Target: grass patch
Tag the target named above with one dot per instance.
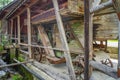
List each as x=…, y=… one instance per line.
x=113, y=52
x=112, y=40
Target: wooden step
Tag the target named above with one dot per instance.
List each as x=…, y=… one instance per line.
x=55, y=60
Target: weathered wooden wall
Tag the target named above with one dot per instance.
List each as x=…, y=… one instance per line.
x=106, y=27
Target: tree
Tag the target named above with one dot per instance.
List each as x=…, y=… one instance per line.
x=4, y=2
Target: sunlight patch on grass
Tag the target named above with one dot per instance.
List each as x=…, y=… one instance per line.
x=112, y=40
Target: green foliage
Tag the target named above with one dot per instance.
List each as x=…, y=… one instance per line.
x=4, y=40
x=4, y=2
x=16, y=77
x=59, y=54
x=1, y=48
x=26, y=75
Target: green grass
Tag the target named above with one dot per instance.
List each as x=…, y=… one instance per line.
x=112, y=40
x=1, y=48
x=17, y=77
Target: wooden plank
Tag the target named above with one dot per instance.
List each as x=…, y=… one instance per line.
x=90, y=41
x=18, y=24
x=45, y=40
x=26, y=52
x=51, y=71
x=29, y=31
x=64, y=41
x=15, y=64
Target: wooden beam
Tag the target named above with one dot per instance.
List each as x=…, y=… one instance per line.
x=45, y=40
x=21, y=11
x=11, y=28
x=116, y=4
x=18, y=24
x=29, y=31
x=25, y=52
x=51, y=71
x=15, y=64
x=90, y=42
x=119, y=49
x=88, y=36
x=101, y=6
x=107, y=70
x=64, y=41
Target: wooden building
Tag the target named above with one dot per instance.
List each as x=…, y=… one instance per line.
x=52, y=32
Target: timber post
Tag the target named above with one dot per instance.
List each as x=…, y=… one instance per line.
x=116, y=4
x=29, y=31
x=119, y=50
x=18, y=21
x=64, y=41
x=88, y=36
x=11, y=29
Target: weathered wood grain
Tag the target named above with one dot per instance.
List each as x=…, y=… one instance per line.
x=45, y=40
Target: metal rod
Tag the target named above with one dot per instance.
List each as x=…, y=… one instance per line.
x=86, y=32
x=101, y=6
x=14, y=64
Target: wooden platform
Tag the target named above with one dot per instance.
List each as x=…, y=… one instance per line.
x=49, y=72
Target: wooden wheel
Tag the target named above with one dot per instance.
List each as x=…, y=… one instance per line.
x=37, y=54
x=107, y=62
